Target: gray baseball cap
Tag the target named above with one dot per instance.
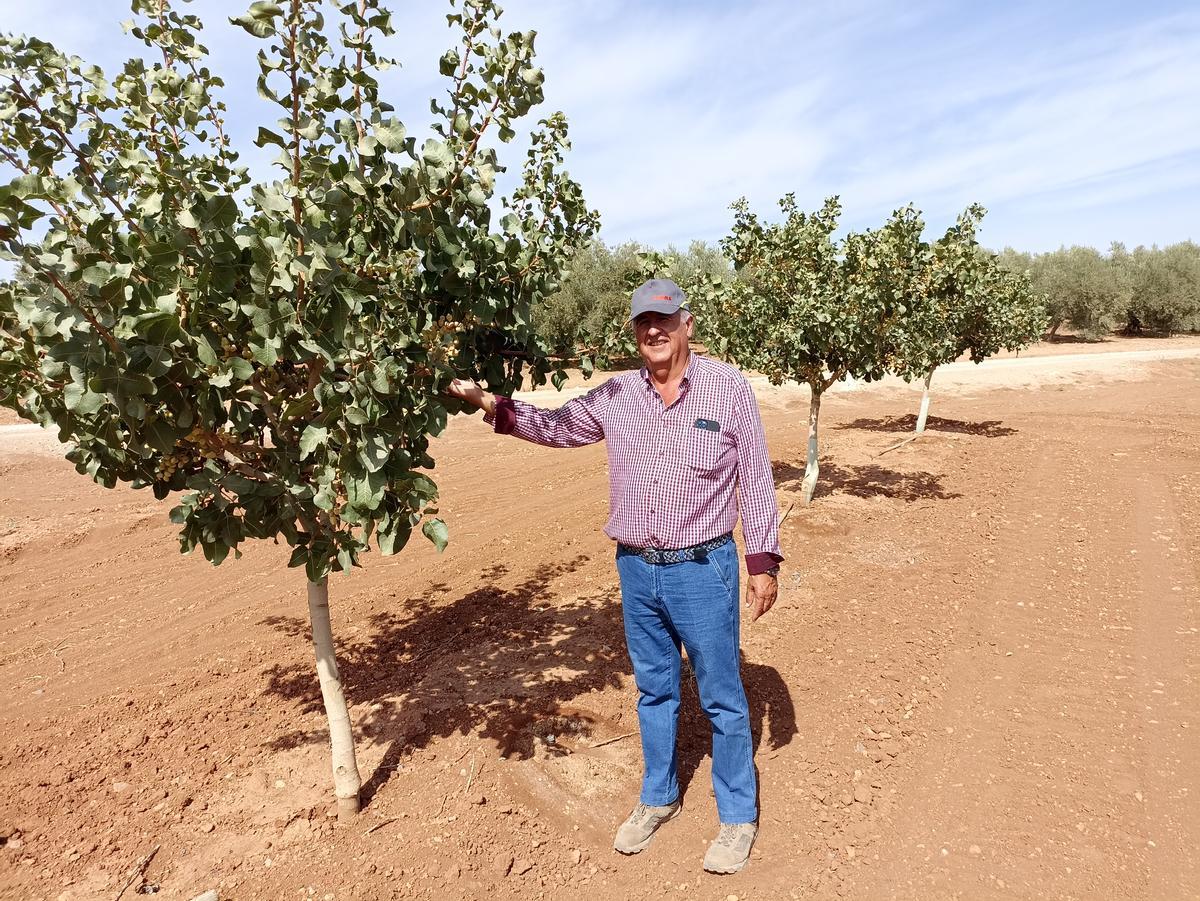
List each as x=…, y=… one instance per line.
x=659, y=295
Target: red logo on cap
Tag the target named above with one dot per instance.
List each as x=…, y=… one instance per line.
x=662, y=297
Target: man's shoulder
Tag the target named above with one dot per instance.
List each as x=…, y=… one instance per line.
x=613, y=386
x=719, y=373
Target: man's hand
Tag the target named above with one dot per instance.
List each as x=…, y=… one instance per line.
x=472, y=394
x=760, y=594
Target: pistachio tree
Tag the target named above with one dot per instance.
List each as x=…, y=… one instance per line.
x=273, y=353
x=962, y=301
x=809, y=308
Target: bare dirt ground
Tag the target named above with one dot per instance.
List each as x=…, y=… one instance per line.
x=980, y=681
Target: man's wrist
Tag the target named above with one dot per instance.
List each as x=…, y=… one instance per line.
x=762, y=562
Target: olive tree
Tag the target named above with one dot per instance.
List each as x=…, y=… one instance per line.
x=587, y=318
x=963, y=302
x=1163, y=287
x=275, y=352
x=584, y=318
x=808, y=308
x=1082, y=288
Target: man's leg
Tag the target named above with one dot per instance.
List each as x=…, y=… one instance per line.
x=703, y=604
x=654, y=650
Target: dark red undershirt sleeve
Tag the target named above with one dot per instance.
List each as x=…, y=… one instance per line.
x=760, y=563
x=505, y=417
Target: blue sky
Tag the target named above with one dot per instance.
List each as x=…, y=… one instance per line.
x=1071, y=122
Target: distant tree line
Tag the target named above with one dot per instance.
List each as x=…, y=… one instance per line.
x=1153, y=291
x=1147, y=291
x=586, y=316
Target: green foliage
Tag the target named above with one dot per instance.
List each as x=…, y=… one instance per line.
x=276, y=351
x=962, y=300
x=1163, y=287
x=1081, y=288
x=587, y=317
x=1149, y=290
x=807, y=307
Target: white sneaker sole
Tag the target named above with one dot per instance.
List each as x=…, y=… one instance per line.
x=727, y=871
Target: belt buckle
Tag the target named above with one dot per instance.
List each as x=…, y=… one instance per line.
x=648, y=554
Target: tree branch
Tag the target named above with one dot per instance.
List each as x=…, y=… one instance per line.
x=104, y=333
x=83, y=162
x=293, y=73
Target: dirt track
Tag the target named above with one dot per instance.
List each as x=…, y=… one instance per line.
x=980, y=681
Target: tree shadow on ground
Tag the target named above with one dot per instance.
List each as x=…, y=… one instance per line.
x=991, y=428
x=493, y=662
x=866, y=480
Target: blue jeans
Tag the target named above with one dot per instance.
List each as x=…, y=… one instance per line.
x=694, y=604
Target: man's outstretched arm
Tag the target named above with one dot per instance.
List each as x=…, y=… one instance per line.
x=575, y=423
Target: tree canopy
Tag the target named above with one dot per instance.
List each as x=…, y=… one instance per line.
x=276, y=351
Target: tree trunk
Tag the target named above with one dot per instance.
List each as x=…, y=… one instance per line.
x=812, y=467
x=924, y=404
x=346, y=782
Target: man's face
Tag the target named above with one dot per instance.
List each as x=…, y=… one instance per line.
x=661, y=337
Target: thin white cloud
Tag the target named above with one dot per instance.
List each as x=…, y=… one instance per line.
x=1066, y=124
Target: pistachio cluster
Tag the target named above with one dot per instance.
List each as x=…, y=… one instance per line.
x=183, y=458
x=229, y=350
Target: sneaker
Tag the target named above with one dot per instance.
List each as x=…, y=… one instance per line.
x=730, y=851
x=635, y=833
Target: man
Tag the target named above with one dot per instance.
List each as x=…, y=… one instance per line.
x=682, y=434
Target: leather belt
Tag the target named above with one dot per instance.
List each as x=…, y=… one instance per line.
x=678, y=555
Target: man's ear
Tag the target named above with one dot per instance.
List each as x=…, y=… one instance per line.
x=691, y=326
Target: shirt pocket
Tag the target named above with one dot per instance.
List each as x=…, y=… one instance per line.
x=706, y=452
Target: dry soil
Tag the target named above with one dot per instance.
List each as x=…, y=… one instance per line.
x=980, y=680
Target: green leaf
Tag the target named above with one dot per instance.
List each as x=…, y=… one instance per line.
x=298, y=407
x=393, y=537
x=80, y=401
x=374, y=452
x=162, y=435
x=111, y=380
x=259, y=20
x=391, y=134
x=272, y=201
x=264, y=10
x=437, y=155
x=220, y=211
x=435, y=530
x=266, y=136
x=151, y=205
x=159, y=328
x=312, y=438
x=365, y=492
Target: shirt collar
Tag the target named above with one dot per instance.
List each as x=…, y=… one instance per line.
x=689, y=372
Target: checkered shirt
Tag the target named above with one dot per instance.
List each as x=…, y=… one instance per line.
x=679, y=474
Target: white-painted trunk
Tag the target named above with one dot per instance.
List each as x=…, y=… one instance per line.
x=812, y=468
x=924, y=404
x=346, y=782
